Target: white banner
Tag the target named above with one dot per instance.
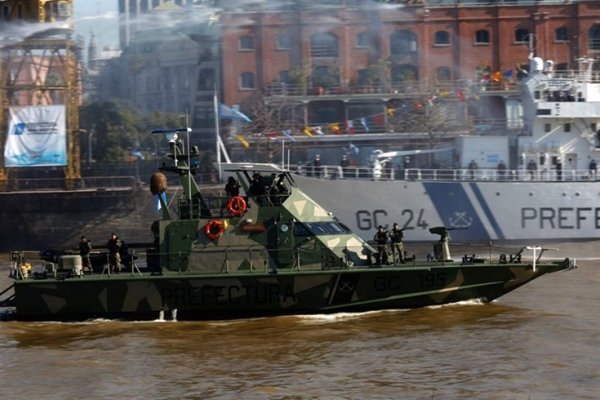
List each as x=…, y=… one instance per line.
x=37, y=137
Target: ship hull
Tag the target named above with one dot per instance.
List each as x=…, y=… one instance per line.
x=477, y=211
x=197, y=297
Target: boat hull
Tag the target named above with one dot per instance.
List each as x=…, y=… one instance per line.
x=197, y=297
x=477, y=211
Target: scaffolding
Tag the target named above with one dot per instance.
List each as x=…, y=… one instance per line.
x=40, y=68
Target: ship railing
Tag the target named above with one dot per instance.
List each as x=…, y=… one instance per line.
x=441, y=174
x=92, y=182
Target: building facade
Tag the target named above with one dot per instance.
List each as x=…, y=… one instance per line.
x=339, y=48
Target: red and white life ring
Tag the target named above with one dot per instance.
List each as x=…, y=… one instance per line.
x=214, y=229
x=236, y=206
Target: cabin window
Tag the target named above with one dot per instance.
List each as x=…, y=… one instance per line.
x=567, y=127
x=536, y=94
x=547, y=128
x=593, y=126
x=320, y=228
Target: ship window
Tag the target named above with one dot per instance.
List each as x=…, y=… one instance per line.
x=320, y=228
x=536, y=94
x=547, y=128
x=593, y=127
x=567, y=127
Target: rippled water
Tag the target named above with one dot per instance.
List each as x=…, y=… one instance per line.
x=540, y=342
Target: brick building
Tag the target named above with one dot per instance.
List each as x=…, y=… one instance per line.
x=326, y=57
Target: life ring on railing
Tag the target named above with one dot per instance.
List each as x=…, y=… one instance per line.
x=236, y=206
x=214, y=229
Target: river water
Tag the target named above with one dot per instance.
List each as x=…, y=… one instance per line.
x=539, y=342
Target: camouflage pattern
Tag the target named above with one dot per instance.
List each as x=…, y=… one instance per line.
x=284, y=255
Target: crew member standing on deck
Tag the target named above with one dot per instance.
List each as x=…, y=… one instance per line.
x=397, y=237
x=114, y=252
x=232, y=188
x=85, y=247
x=381, y=239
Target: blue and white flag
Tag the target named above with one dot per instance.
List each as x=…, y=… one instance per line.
x=288, y=134
x=163, y=195
x=37, y=137
x=231, y=113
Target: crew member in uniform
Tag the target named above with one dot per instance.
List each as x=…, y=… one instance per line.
x=85, y=247
x=114, y=252
x=381, y=239
x=397, y=237
x=232, y=188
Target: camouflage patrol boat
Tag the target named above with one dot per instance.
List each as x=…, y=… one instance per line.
x=274, y=251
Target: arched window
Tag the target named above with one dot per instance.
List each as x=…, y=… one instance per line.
x=324, y=44
x=561, y=34
x=443, y=74
x=403, y=42
x=482, y=37
x=404, y=72
x=442, y=38
x=247, y=80
x=521, y=35
x=362, y=39
x=246, y=43
x=594, y=37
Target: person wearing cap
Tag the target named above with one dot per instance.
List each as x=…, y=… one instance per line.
x=381, y=239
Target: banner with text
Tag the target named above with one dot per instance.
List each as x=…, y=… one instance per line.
x=37, y=137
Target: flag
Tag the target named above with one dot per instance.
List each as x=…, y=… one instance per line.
x=318, y=130
x=138, y=154
x=350, y=127
x=335, y=128
x=242, y=140
x=390, y=111
x=508, y=74
x=231, y=113
x=288, y=134
x=379, y=120
x=163, y=195
x=419, y=106
x=496, y=76
x=363, y=121
x=354, y=149
x=460, y=95
x=431, y=99
x=307, y=131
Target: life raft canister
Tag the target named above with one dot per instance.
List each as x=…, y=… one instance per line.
x=236, y=206
x=214, y=229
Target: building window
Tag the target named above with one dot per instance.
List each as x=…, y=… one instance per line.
x=324, y=45
x=403, y=42
x=247, y=80
x=443, y=74
x=404, y=72
x=284, y=42
x=362, y=39
x=442, y=38
x=561, y=34
x=363, y=77
x=482, y=37
x=246, y=43
x=284, y=76
x=521, y=35
x=595, y=37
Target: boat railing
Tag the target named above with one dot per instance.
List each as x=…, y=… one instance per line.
x=441, y=174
